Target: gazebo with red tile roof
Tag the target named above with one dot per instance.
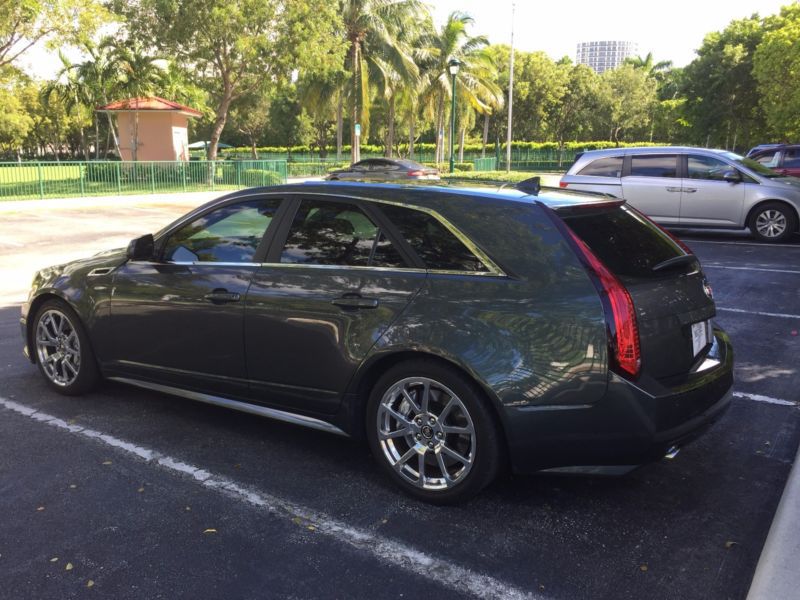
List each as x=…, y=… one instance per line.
x=152, y=128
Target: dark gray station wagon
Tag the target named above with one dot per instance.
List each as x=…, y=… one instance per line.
x=457, y=330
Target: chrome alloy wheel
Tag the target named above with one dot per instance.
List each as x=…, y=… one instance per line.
x=426, y=433
x=58, y=348
x=771, y=223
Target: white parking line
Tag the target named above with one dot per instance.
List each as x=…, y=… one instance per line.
x=756, y=312
x=718, y=266
x=763, y=245
x=766, y=399
x=455, y=577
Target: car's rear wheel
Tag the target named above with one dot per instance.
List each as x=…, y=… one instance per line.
x=432, y=430
x=773, y=222
x=63, y=353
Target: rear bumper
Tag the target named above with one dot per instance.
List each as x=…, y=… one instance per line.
x=634, y=423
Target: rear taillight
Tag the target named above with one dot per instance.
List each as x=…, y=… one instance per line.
x=415, y=173
x=619, y=309
x=562, y=184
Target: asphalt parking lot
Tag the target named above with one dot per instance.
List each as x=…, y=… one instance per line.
x=127, y=493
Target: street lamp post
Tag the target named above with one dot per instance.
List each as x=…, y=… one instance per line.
x=453, y=65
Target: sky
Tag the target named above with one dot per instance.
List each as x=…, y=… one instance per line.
x=556, y=26
x=670, y=30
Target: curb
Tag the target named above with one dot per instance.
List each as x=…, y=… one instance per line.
x=778, y=571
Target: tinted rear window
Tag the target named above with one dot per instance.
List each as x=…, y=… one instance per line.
x=433, y=242
x=659, y=165
x=604, y=167
x=626, y=242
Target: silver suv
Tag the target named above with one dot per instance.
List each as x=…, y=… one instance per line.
x=693, y=187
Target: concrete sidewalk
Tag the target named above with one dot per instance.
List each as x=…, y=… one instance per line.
x=777, y=575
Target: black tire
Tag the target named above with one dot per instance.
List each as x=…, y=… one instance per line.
x=437, y=444
x=87, y=375
x=773, y=222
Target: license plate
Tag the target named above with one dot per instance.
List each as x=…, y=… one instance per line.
x=701, y=336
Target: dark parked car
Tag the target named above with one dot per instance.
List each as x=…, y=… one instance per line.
x=455, y=329
x=384, y=169
x=783, y=159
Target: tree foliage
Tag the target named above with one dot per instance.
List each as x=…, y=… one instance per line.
x=776, y=66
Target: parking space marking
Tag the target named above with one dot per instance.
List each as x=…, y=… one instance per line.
x=766, y=399
x=718, y=266
x=448, y=574
x=765, y=245
x=756, y=312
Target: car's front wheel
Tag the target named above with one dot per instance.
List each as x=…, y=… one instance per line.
x=432, y=430
x=63, y=353
x=773, y=222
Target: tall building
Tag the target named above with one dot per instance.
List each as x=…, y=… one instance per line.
x=605, y=55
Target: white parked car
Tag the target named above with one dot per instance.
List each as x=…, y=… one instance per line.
x=693, y=187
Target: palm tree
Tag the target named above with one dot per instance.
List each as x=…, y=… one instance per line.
x=651, y=68
x=68, y=89
x=476, y=75
x=99, y=83
x=138, y=75
x=371, y=28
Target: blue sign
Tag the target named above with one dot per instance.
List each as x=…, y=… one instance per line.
x=358, y=128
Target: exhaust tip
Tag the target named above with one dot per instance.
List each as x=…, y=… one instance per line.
x=672, y=452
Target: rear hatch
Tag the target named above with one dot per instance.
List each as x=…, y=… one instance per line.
x=670, y=294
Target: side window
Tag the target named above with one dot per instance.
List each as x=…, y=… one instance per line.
x=337, y=233
x=231, y=233
x=604, y=167
x=656, y=165
x=707, y=167
x=768, y=159
x=433, y=242
x=791, y=158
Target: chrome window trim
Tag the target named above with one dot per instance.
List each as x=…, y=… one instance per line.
x=200, y=263
x=471, y=246
x=392, y=269
x=315, y=266
x=494, y=269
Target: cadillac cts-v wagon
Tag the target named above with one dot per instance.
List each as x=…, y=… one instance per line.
x=457, y=330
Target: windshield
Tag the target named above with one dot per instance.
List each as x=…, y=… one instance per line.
x=754, y=166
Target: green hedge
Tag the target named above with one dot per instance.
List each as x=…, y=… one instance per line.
x=245, y=152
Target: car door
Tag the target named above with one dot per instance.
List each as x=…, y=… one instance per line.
x=334, y=281
x=791, y=162
x=652, y=185
x=178, y=319
x=708, y=200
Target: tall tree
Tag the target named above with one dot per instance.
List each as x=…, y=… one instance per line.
x=371, y=33
x=722, y=99
x=776, y=66
x=628, y=95
x=237, y=45
x=476, y=74
x=25, y=23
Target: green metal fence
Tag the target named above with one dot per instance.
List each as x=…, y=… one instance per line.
x=522, y=159
x=19, y=181
x=485, y=164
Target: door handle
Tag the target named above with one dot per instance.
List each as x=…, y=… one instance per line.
x=690, y=190
x=673, y=189
x=354, y=301
x=221, y=296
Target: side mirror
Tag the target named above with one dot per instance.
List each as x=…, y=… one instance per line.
x=732, y=176
x=142, y=248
